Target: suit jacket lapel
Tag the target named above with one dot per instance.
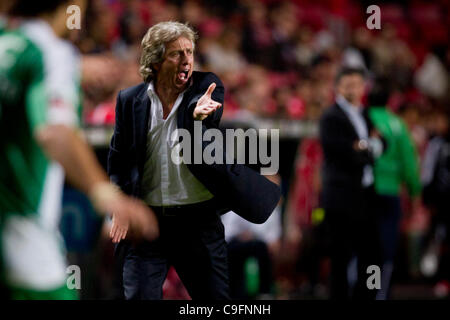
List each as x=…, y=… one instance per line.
x=345, y=116
x=141, y=113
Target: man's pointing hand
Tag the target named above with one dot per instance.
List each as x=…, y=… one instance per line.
x=206, y=105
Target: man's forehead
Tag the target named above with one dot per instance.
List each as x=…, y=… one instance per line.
x=352, y=77
x=180, y=43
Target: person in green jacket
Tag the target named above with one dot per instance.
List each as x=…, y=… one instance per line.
x=398, y=166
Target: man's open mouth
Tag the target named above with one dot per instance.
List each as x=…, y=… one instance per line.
x=183, y=75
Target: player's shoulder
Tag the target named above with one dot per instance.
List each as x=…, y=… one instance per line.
x=17, y=42
x=394, y=118
x=21, y=53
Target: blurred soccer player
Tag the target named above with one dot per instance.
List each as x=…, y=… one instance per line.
x=397, y=166
x=39, y=97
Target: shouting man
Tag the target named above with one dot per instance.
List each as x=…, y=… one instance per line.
x=187, y=198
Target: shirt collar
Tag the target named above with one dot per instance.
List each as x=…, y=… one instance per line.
x=346, y=105
x=152, y=92
x=151, y=89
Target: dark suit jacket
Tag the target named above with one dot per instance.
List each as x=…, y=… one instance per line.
x=343, y=166
x=235, y=186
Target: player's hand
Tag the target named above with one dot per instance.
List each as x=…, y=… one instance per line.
x=206, y=105
x=131, y=215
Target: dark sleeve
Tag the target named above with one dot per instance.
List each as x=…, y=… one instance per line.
x=338, y=146
x=117, y=152
x=371, y=127
x=369, y=123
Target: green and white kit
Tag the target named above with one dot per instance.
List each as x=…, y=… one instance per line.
x=39, y=84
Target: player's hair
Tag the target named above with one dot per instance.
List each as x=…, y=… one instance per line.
x=380, y=92
x=346, y=71
x=154, y=42
x=28, y=9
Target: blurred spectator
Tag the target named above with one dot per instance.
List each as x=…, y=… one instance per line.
x=224, y=56
x=432, y=77
x=304, y=49
x=257, y=35
x=359, y=54
x=436, y=180
x=285, y=24
x=396, y=166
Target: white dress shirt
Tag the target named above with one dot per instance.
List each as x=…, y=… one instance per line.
x=358, y=122
x=164, y=182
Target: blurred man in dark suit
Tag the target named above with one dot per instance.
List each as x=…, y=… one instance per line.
x=349, y=146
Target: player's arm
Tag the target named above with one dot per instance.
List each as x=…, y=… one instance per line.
x=64, y=145
x=409, y=162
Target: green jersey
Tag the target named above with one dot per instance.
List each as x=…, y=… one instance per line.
x=39, y=84
x=2, y=23
x=399, y=163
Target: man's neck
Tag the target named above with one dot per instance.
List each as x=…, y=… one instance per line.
x=167, y=95
x=55, y=21
x=351, y=103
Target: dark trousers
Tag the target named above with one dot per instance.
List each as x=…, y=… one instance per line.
x=354, y=246
x=440, y=229
x=192, y=241
x=388, y=216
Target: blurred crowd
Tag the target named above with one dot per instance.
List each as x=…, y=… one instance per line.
x=278, y=60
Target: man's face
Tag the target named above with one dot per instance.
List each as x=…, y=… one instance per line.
x=177, y=65
x=351, y=87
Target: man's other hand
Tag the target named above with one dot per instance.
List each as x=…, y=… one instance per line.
x=133, y=216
